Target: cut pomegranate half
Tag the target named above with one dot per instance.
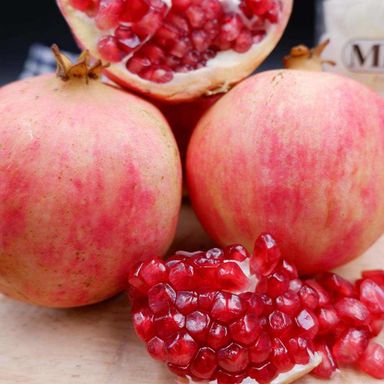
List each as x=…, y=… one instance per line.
x=178, y=49
x=229, y=317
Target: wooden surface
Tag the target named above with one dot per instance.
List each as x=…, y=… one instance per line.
x=96, y=344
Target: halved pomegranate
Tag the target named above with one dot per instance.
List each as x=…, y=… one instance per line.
x=178, y=49
x=230, y=317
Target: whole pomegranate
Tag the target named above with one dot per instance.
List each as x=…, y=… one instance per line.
x=90, y=183
x=178, y=49
x=298, y=154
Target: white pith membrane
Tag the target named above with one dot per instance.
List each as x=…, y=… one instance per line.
x=283, y=378
x=225, y=69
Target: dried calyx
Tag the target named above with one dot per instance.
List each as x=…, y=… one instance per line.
x=82, y=69
x=231, y=317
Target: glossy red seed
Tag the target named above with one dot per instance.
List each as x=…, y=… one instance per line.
x=288, y=269
x=280, y=356
x=169, y=323
x=376, y=275
x=307, y=324
x=279, y=323
x=268, y=304
x=127, y=40
x=350, y=346
x=372, y=361
x=156, y=348
x=337, y=285
x=243, y=42
x=298, y=349
x=372, y=295
x=109, y=50
x=261, y=350
x=324, y=297
x=82, y=5
x=108, y=14
x=253, y=302
x=153, y=272
x=352, y=311
x=197, y=325
x=246, y=330
x=204, y=364
x=218, y=336
x=186, y=302
x=309, y=297
x=181, y=349
x=328, y=366
x=181, y=276
x=227, y=307
x=278, y=283
x=136, y=281
x=266, y=255
x=328, y=319
x=376, y=326
x=160, y=298
x=260, y=7
x=236, y=252
x=263, y=373
x=134, y=10
x=138, y=64
x=230, y=277
x=295, y=285
x=206, y=300
x=288, y=303
x=233, y=358
x=229, y=378
x=143, y=323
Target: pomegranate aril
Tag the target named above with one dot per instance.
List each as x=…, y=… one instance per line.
x=233, y=358
x=288, y=270
x=154, y=53
x=137, y=64
x=231, y=28
x=288, y=303
x=234, y=252
x=337, y=285
x=127, y=39
x=153, y=272
x=372, y=361
x=295, y=285
x=227, y=307
x=279, y=323
x=259, y=7
x=268, y=304
x=158, y=74
x=134, y=10
x=280, y=356
x=160, y=298
x=253, y=302
x=231, y=277
x=196, y=16
x=328, y=366
x=372, y=295
x=218, y=336
x=307, y=324
x=197, y=325
x=181, y=349
x=324, y=297
x=298, y=349
x=169, y=323
x=278, y=283
x=110, y=50
x=246, y=330
x=229, y=378
x=204, y=364
x=263, y=373
x=181, y=276
x=186, y=302
x=266, y=255
x=108, y=15
x=352, y=311
x=143, y=324
x=243, y=42
x=82, y=5
x=148, y=25
x=206, y=300
x=350, y=346
x=309, y=297
x=261, y=350
x=376, y=275
x=156, y=348
x=328, y=319
x=376, y=326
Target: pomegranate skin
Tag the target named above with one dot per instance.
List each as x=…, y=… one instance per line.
x=295, y=154
x=90, y=183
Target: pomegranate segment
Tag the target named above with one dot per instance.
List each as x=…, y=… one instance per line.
x=203, y=318
x=155, y=39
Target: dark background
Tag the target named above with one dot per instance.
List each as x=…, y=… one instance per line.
x=26, y=22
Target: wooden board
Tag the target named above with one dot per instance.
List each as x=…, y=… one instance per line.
x=96, y=344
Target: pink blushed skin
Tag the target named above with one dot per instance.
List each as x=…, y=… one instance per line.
x=296, y=154
x=90, y=184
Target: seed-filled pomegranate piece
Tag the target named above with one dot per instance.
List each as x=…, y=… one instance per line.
x=253, y=319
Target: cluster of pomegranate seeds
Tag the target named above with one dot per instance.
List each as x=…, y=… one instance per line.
x=226, y=315
x=155, y=39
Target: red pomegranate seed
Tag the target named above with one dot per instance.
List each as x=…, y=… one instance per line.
x=244, y=42
x=197, y=325
x=204, y=364
x=352, y=311
x=280, y=356
x=324, y=297
x=227, y=307
x=156, y=348
x=350, y=346
x=233, y=358
x=229, y=378
x=253, y=302
x=181, y=349
x=259, y=7
x=153, y=272
x=127, y=40
x=218, y=336
x=266, y=255
x=261, y=350
x=181, y=276
x=328, y=366
x=109, y=49
x=337, y=285
x=295, y=285
x=263, y=373
x=288, y=303
x=307, y=324
x=82, y=5
x=298, y=349
x=196, y=16
x=309, y=297
x=328, y=319
x=160, y=298
x=169, y=323
x=268, y=304
x=231, y=277
x=372, y=361
x=134, y=10
x=109, y=13
x=278, y=284
x=279, y=323
x=288, y=270
x=159, y=74
x=186, y=302
x=137, y=64
x=143, y=323
x=246, y=330
x=377, y=276
x=376, y=326
x=372, y=295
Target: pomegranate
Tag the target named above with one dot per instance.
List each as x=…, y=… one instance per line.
x=224, y=315
x=80, y=186
x=295, y=153
x=178, y=49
